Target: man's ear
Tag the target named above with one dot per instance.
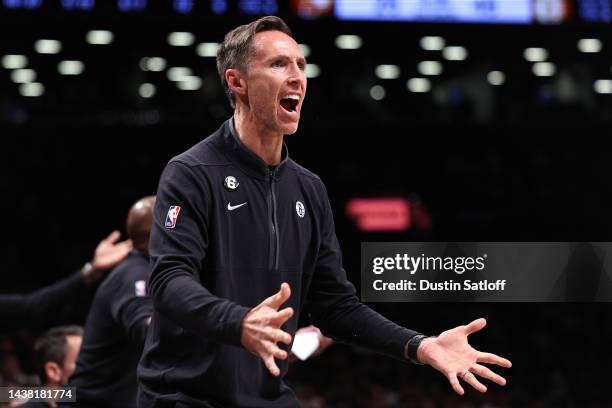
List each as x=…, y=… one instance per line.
x=235, y=81
x=53, y=372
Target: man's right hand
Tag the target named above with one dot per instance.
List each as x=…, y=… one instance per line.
x=261, y=329
x=109, y=253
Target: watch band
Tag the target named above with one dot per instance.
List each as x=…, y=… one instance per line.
x=413, y=347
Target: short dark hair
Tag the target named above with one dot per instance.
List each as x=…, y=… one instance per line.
x=52, y=346
x=235, y=50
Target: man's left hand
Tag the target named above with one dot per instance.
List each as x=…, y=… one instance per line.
x=451, y=354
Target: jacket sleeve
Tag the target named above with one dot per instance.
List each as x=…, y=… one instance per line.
x=179, y=240
x=334, y=306
x=132, y=307
x=42, y=307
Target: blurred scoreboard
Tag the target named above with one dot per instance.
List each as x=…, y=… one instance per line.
x=476, y=11
x=424, y=11
x=446, y=11
x=595, y=11
x=215, y=7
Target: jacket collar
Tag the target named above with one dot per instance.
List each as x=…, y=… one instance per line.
x=248, y=160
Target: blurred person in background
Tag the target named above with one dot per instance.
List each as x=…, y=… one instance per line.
x=56, y=353
x=59, y=301
x=117, y=323
x=235, y=219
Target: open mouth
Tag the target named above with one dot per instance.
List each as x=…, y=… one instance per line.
x=289, y=104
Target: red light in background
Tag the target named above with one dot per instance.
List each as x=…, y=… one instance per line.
x=379, y=214
x=311, y=9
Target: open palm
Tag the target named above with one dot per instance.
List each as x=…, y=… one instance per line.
x=452, y=355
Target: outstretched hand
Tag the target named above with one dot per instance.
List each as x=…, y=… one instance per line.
x=108, y=254
x=261, y=331
x=451, y=354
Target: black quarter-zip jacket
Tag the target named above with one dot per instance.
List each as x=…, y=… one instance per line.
x=241, y=230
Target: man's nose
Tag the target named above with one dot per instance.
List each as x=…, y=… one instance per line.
x=296, y=75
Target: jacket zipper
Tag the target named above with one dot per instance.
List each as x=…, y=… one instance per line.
x=274, y=239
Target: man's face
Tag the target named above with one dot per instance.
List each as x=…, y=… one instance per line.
x=73, y=343
x=276, y=81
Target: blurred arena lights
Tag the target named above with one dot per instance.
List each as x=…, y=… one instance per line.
x=432, y=43
x=305, y=50
x=429, y=49
x=429, y=68
x=544, y=69
x=207, y=49
x=348, y=42
x=418, y=85
x=179, y=73
x=14, y=61
x=535, y=54
x=387, y=71
x=71, y=67
x=47, y=46
x=603, y=86
x=379, y=214
x=589, y=45
x=311, y=9
x=147, y=90
x=183, y=6
x=23, y=76
x=181, y=39
x=32, y=89
x=312, y=70
x=99, y=37
x=496, y=78
x=189, y=83
x=454, y=53
x=377, y=93
x=154, y=64
x=25, y=4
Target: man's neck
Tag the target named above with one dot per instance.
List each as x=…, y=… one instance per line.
x=265, y=144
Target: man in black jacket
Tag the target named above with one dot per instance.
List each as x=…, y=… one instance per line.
x=235, y=219
x=117, y=323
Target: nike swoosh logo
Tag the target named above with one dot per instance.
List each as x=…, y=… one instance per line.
x=231, y=207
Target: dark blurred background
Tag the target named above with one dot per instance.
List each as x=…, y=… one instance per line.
x=487, y=119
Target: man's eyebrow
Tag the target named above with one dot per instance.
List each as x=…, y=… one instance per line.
x=286, y=57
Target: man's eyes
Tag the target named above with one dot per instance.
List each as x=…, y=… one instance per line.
x=282, y=63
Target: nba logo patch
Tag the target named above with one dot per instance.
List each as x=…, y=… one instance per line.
x=140, y=288
x=172, y=215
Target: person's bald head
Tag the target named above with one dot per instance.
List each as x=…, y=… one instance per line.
x=139, y=220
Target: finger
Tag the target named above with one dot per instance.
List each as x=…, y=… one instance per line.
x=282, y=316
x=280, y=336
x=112, y=237
x=127, y=244
x=452, y=378
x=490, y=358
x=485, y=372
x=471, y=379
x=271, y=365
x=280, y=297
x=476, y=325
x=278, y=353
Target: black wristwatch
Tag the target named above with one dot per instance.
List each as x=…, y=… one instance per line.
x=413, y=346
